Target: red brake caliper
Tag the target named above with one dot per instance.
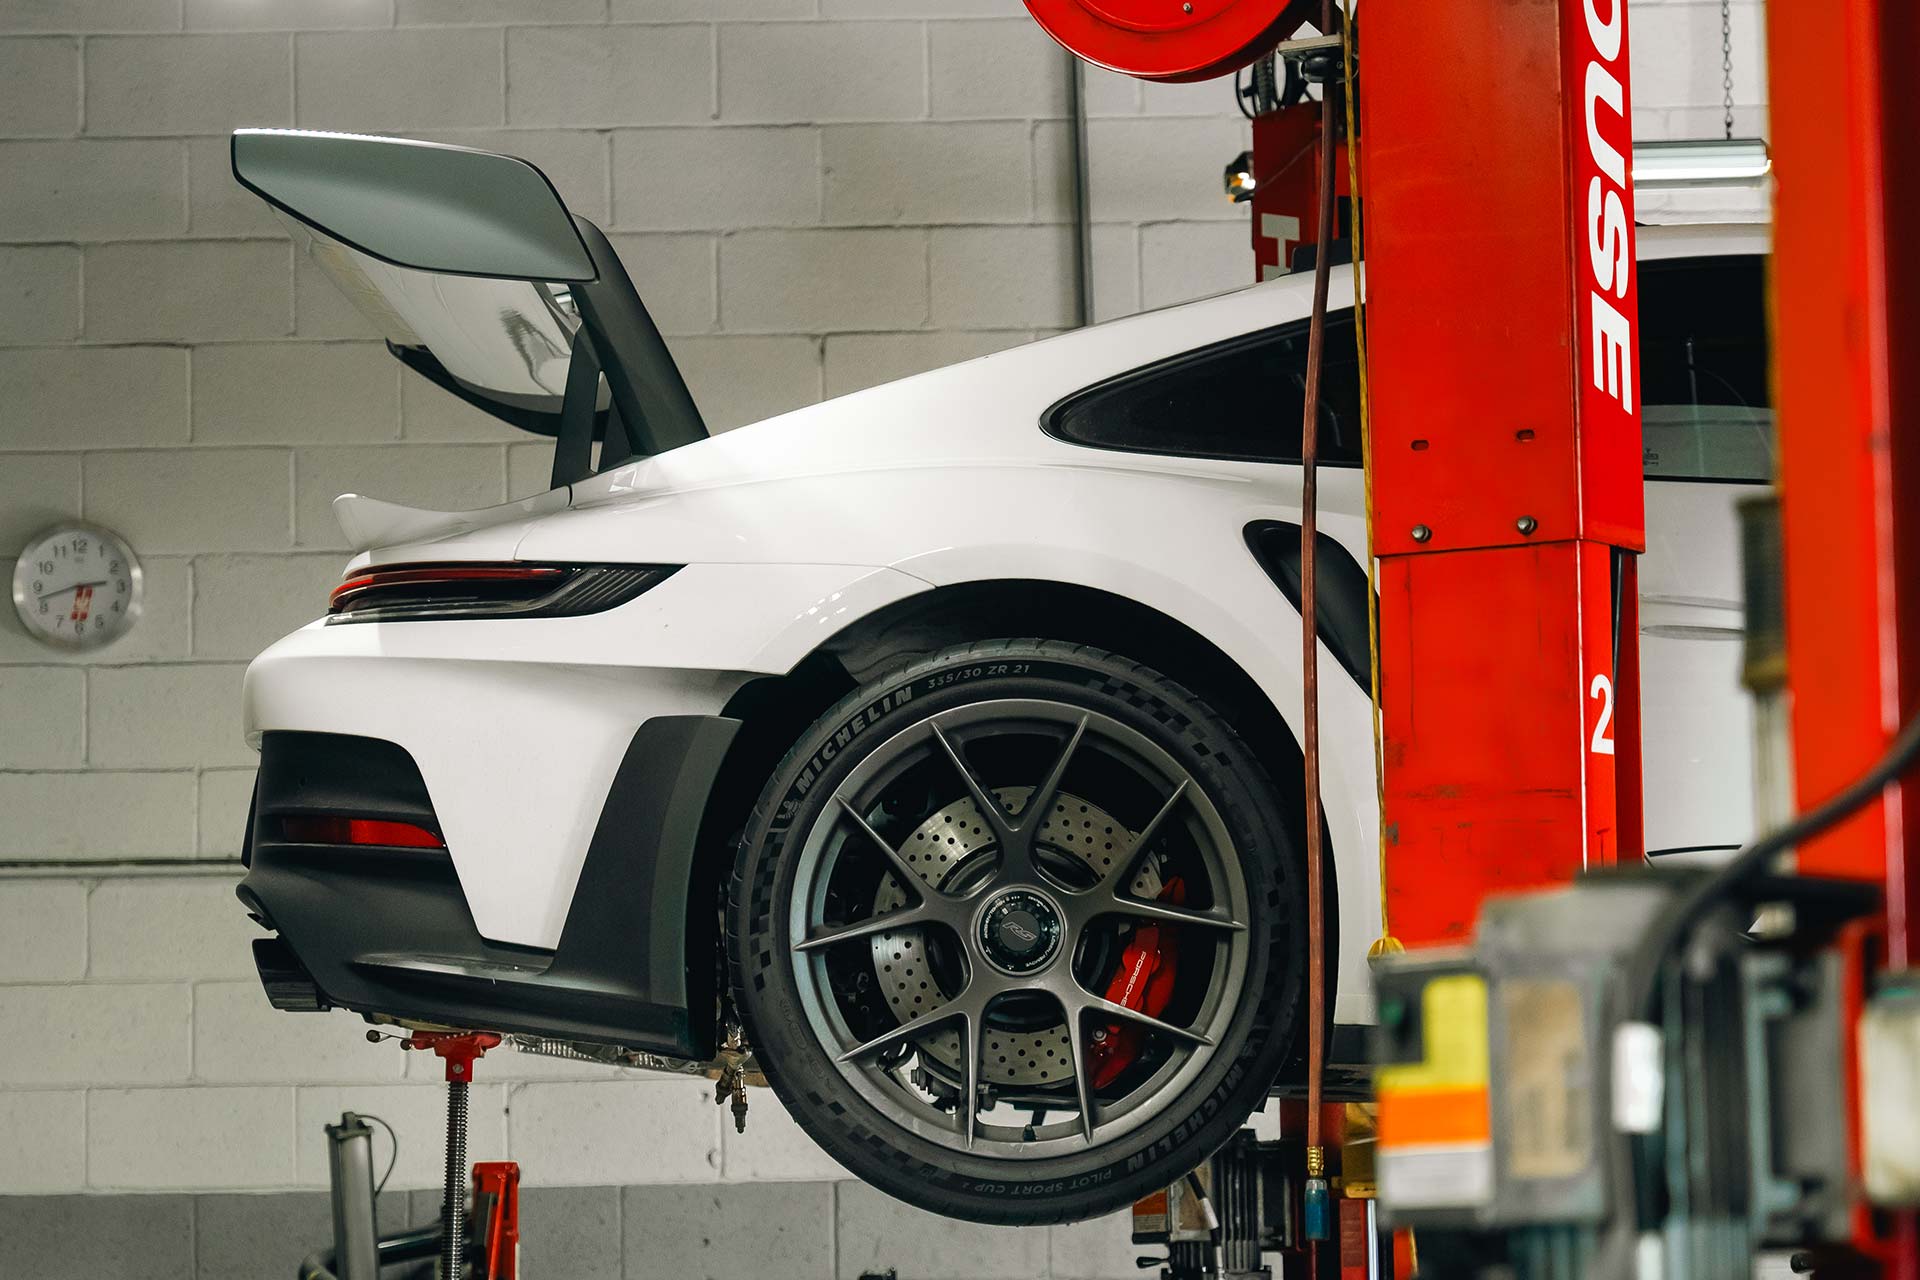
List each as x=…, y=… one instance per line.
x=1144, y=981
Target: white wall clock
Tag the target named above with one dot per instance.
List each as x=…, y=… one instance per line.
x=77, y=586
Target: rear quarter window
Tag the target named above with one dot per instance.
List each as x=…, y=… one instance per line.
x=1241, y=400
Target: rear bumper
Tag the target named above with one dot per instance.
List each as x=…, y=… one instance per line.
x=517, y=756
x=388, y=930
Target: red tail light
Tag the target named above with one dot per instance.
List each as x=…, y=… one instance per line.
x=425, y=592
x=365, y=831
x=430, y=576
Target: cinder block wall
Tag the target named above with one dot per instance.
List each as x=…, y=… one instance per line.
x=813, y=195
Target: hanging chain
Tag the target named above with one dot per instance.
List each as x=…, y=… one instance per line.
x=1726, y=64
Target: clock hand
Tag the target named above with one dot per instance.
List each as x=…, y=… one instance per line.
x=72, y=586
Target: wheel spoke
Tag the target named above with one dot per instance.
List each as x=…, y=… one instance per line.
x=910, y=882
x=1120, y=904
x=911, y=918
x=1034, y=814
x=1089, y=1001
x=1082, y=1080
x=995, y=816
x=970, y=1072
x=1122, y=875
x=905, y=1031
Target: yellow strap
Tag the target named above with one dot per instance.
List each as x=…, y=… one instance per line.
x=1386, y=942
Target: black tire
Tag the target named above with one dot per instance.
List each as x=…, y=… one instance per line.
x=1215, y=1099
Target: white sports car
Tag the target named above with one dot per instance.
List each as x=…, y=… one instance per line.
x=938, y=740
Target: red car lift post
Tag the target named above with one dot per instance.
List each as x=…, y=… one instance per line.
x=1846, y=339
x=1501, y=321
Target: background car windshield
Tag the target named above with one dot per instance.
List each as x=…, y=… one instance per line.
x=1705, y=409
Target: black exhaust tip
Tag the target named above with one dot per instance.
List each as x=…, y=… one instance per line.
x=288, y=985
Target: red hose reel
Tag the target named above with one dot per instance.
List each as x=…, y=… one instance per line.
x=1170, y=40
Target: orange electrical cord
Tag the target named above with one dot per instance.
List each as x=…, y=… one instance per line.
x=1309, y=641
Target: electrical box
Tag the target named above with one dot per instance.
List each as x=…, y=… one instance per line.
x=1530, y=1122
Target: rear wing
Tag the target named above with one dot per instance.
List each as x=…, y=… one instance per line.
x=482, y=281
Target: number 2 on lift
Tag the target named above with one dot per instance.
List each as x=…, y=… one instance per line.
x=1602, y=688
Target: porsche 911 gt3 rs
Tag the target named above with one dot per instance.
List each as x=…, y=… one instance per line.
x=939, y=740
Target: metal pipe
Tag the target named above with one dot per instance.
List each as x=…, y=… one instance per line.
x=1082, y=189
x=356, y=1237
x=453, y=1207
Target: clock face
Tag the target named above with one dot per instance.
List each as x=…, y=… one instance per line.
x=77, y=587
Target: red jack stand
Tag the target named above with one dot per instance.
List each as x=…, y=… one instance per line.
x=460, y=1050
x=498, y=1182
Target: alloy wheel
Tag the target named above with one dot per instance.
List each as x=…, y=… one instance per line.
x=964, y=902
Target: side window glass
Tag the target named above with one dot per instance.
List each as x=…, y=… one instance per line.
x=1705, y=408
x=1240, y=399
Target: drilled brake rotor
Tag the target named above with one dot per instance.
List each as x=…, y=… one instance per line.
x=938, y=852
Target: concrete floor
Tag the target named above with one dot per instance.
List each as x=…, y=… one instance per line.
x=744, y=1231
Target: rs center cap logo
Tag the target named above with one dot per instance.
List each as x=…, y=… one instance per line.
x=1020, y=931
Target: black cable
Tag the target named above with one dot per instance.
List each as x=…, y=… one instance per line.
x=1216, y=1229
x=1683, y=912
x=1692, y=848
x=392, y=1159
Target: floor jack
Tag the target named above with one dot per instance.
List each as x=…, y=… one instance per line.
x=471, y=1241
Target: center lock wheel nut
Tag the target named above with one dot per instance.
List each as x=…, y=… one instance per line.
x=1020, y=931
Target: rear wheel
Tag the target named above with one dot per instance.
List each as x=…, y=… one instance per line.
x=1017, y=934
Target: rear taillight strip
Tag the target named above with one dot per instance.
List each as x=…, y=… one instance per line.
x=427, y=575
x=377, y=832
x=429, y=592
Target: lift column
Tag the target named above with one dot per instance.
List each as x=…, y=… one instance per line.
x=1847, y=329
x=1846, y=311
x=1501, y=321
